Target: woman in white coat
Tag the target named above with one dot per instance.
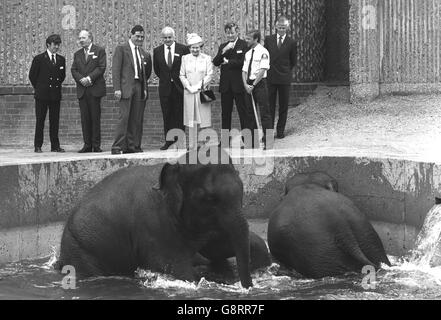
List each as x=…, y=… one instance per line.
x=196, y=74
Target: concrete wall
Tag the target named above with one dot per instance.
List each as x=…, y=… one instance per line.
x=395, y=194
x=394, y=47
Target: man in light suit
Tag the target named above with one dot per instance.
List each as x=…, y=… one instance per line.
x=47, y=73
x=131, y=69
x=88, y=69
x=167, y=65
x=283, y=53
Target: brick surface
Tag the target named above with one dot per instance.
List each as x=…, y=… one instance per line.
x=17, y=116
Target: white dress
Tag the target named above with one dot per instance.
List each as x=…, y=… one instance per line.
x=193, y=71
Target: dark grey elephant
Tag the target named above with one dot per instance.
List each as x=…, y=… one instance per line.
x=123, y=223
x=319, y=232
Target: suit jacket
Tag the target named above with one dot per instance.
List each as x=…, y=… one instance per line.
x=281, y=60
x=47, y=78
x=94, y=67
x=164, y=73
x=231, y=73
x=123, y=69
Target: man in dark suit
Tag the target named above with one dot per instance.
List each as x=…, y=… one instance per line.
x=88, y=69
x=283, y=52
x=230, y=58
x=47, y=73
x=167, y=65
x=131, y=69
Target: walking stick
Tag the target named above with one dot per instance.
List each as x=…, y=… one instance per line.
x=259, y=128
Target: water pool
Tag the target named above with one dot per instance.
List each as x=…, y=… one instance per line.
x=37, y=280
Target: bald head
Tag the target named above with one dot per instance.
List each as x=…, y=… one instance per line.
x=85, y=38
x=168, y=36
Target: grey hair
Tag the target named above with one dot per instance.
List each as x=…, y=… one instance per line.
x=88, y=32
x=168, y=30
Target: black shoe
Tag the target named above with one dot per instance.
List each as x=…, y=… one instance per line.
x=138, y=150
x=129, y=151
x=97, y=149
x=280, y=136
x=59, y=149
x=38, y=150
x=116, y=151
x=85, y=149
x=166, y=145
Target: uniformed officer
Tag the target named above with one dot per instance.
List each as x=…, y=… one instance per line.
x=47, y=73
x=254, y=73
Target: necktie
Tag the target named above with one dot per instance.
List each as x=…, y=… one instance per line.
x=53, y=59
x=169, y=58
x=138, y=64
x=279, y=44
x=249, y=66
x=85, y=53
x=140, y=73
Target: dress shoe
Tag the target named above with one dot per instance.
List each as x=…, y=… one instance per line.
x=138, y=150
x=166, y=145
x=97, y=149
x=59, y=149
x=129, y=151
x=280, y=136
x=116, y=151
x=38, y=150
x=85, y=149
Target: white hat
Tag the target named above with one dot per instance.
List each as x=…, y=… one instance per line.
x=193, y=38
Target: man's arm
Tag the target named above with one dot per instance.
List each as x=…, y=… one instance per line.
x=102, y=64
x=148, y=66
x=156, y=62
x=33, y=72
x=219, y=58
x=63, y=71
x=116, y=68
x=74, y=70
x=293, y=55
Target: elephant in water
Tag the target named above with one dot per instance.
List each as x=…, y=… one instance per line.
x=319, y=232
x=124, y=223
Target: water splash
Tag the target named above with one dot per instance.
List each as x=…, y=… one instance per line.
x=427, y=252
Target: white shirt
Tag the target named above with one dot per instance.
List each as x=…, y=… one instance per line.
x=261, y=60
x=172, y=49
x=88, y=48
x=278, y=37
x=132, y=46
x=50, y=56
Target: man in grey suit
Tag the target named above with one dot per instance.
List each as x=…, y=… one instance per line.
x=131, y=69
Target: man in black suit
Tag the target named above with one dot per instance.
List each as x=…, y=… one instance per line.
x=47, y=73
x=283, y=52
x=167, y=65
x=131, y=69
x=230, y=58
x=88, y=69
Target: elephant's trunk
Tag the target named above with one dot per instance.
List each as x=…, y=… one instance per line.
x=237, y=228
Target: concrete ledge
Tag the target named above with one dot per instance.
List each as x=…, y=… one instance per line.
x=395, y=194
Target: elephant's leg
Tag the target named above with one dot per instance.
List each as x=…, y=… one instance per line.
x=259, y=254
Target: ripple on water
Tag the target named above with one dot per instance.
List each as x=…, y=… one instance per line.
x=404, y=280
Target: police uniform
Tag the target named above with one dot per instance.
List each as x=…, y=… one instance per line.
x=47, y=73
x=255, y=59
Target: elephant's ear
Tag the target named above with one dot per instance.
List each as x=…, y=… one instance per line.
x=171, y=188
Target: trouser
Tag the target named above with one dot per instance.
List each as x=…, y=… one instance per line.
x=172, y=110
x=283, y=91
x=90, y=109
x=245, y=115
x=41, y=107
x=260, y=95
x=129, y=130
